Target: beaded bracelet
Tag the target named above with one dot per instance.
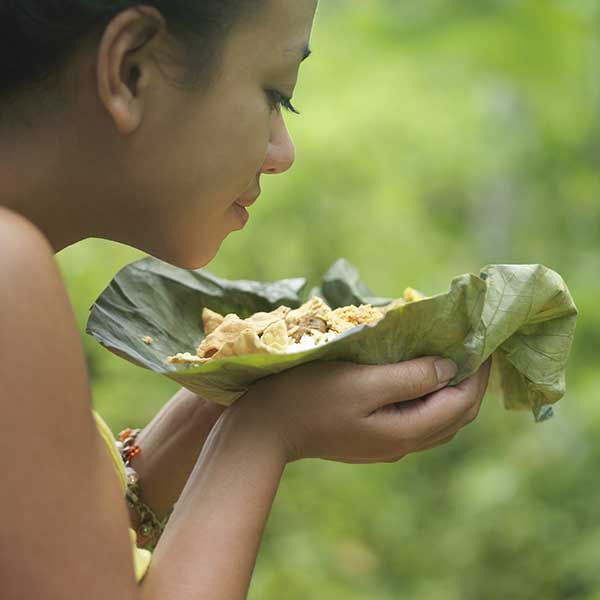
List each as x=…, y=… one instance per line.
x=150, y=528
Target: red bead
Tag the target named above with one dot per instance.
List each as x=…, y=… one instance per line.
x=133, y=452
x=125, y=434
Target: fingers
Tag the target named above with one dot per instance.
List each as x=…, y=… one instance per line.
x=478, y=381
x=406, y=380
x=476, y=384
x=481, y=376
x=440, y=413
x=391, y=420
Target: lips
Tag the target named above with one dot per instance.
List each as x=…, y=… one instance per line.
x=245, y=202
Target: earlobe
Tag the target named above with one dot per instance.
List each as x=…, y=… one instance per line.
x=123, y=65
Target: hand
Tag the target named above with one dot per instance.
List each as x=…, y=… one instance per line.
x=356, y=413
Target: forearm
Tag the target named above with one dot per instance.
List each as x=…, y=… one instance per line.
x=171, y=444
x=209, y=547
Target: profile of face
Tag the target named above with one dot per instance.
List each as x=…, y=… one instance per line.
x=180, y=159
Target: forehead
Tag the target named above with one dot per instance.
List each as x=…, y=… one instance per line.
x=278, y=34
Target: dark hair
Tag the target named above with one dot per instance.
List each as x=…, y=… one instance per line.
x=37, y=37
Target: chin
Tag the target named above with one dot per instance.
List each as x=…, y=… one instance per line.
x=190, y=250
x=189, y=263
x=191, y=260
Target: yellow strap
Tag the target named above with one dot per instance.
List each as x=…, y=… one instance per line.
x=141, y=557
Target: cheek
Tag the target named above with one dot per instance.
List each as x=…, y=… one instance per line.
x=222, y=158
x=207, y=155
x=244, y=134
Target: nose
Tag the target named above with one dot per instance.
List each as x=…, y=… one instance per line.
x=281, y=151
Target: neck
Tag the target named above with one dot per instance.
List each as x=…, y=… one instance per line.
x=41, y=177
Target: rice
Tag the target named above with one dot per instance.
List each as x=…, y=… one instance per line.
x=307, y=342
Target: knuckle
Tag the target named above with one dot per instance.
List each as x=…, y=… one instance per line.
x=401, y=450
x=394, y=459
x=472, y=414
x=444, y=441
x=478, y=395
x=471, y=401
x=450, y=438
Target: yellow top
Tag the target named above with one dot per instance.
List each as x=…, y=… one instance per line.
x=141, y=557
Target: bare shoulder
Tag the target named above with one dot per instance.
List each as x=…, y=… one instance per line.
x=65, y=521
x=37, y=325
x=20, y=241
x=28, y=270
x=16, y=230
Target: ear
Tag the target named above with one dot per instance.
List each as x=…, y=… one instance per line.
x=124, y=66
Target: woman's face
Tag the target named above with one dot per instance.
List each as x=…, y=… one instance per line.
x=195, y=153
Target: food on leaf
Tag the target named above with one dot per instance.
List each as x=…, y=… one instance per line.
x=522, y=315
x=276, y=336
x=282, y=330
x=211, y=320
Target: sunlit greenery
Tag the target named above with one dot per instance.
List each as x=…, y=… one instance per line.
x=435, y=137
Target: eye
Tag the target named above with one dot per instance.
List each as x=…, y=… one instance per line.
x=278, y=100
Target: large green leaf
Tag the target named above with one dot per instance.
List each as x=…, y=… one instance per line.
x=522, y=314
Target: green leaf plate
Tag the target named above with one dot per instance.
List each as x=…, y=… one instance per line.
x=524, y=315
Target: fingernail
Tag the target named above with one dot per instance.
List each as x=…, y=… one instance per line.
x=446, y=370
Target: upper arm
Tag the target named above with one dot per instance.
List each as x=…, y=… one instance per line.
x=64, y=519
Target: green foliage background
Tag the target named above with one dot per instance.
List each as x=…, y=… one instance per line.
x=436, y=137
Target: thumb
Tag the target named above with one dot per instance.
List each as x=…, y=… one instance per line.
x=409, y=380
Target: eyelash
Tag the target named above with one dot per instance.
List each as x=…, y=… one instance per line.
x=278, y=100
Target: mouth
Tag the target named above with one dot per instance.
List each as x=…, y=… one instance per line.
x=245, y=202
x=241, y=205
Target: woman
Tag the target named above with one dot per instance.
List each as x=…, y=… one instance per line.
x=151, y=126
